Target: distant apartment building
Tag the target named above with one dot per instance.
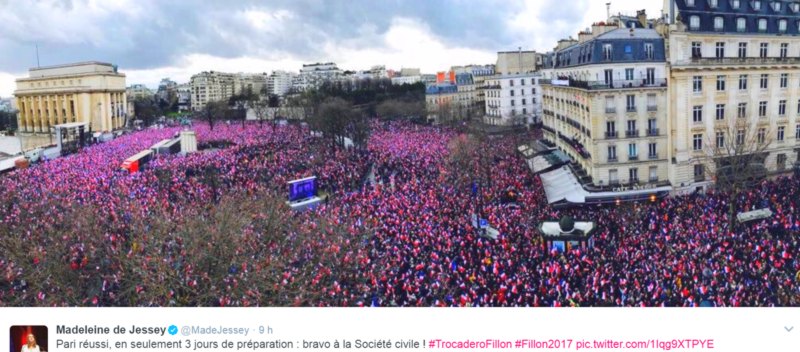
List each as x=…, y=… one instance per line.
x=454, y=97
x=211, y=86
x=512, y=99
x=166, y=88
x=279, y=82
x=86, y=92
x=733, y=63
x=406, y=80
x=314, y=75
x=138, y=91
x=184, y=92
x=604, y=105
x=517, y=62
x=252, y=82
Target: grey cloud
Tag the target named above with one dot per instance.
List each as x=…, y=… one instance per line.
x=170, y=29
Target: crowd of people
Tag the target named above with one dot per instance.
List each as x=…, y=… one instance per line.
x=409, y=236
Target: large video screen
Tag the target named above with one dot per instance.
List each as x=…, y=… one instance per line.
x=302, y=189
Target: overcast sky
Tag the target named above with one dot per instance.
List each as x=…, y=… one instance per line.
x=152, y=39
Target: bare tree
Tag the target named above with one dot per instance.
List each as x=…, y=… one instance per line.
x=735, y=157
x=212, y=112
x=261, y=110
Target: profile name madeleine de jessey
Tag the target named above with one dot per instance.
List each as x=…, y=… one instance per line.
x=90, y=330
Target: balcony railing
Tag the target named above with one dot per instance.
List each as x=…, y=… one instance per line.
x=632, y=133
x=611, y=135
x=633, y=157
x=602, y=85
x=612, y=159
x=653, y=156
x=630, y=109
x=611, y=110
x=652, y=132
x=703, y=61
x=652, y=108
x=699, y=178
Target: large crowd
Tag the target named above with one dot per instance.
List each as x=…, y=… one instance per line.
x=421, y=247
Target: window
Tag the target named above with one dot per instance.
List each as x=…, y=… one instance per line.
x=762, y=135
x=697, y=84
x=694, y=22
x=735, y=4
x=782, y=26
x=521, y=92
x=632, y=132
x=630, y=103
x=522, y=82
x=762, y=109
x=512, y=102
x=654, y=174
x=610, y=106
x=524, y=110
x=739, y=137
x=633, y=175
x=762, y=24
x=781, y=161
x=607, y=52
x=741, y=112
x=784, y=50
x=719, y=23
x=742, y=82
x=523, y=102
x=697, y=142
x=689, y=2
x=629, y=74
x=795, y=7
x=782, y=108
x=699, y=172
x=652, y=127
x=648, y=50
x=764, y=80
x=512, y=93
x=776, y=6
x=697, y=114
x=613, y=178
x=720, y=53
x=763, y=50
x=650, y=79
x=720, y=139
x=632, y=151
x=652, y=151
x=511, y=82
x=533, y=91
x=798, y=107
x=697, y=50
x=651, y=102
x=612, y=153
x=797, y=131
x=611, y=129
x=720, y=83
x=712, y=3
x=742, y=50
x=720, y=112
x=781, y=133
x=609, y=77
x=784, y=80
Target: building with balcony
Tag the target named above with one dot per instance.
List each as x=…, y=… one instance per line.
x=210, y=86
x=604, y=104
x=734, y=65
x=85, y=92
x=138, y=91
x=513, y=99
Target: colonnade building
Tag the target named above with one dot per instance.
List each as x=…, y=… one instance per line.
x=85, y=92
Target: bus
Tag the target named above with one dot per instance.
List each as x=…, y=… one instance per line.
x=136, y=162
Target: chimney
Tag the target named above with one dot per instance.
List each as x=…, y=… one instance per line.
x=642, y=15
